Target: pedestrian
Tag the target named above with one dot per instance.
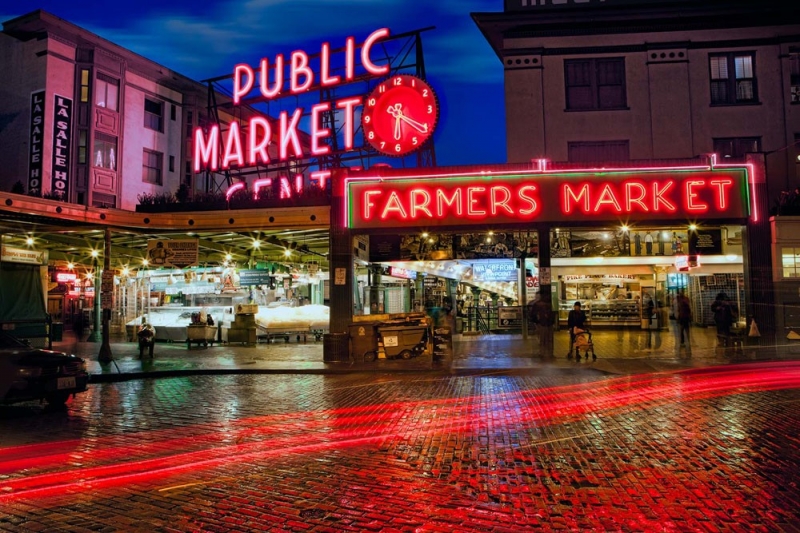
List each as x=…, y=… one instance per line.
x=648, y=243
x=682, y=311
x=147, y=340
x=637, y=244
x=724, y=316
x=542, y=316
x=576, y=322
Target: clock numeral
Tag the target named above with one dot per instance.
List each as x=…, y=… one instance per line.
x=383, y=144
x=397, y=81
x=397, y=147
x=371, y=102
x=414, y=141
x=381, y=88
x=371, y=135
x=430, y=109
x=425, y=93
x=367, y=118
x=413, y=82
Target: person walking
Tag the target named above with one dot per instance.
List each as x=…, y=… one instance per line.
x=542, y=317
x=575, y=320
x=682, y=310
x=724, y=315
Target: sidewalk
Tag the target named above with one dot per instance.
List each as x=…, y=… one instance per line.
x=618, y=352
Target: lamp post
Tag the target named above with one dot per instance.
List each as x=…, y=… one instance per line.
x=94, y=336
x=105, y=349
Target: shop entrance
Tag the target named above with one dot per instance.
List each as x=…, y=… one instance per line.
x=471, y=281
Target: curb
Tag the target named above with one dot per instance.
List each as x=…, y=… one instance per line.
x=441, y=372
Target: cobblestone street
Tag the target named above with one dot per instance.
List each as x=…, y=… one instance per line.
x=572, y=449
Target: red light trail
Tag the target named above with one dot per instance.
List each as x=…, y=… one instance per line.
x=51, y=469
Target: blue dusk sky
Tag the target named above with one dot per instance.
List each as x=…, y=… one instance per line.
x=204, y=39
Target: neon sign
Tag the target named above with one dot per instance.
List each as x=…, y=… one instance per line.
x=399, y=272
x=66, y=277
x=243, y=147
x=457, y=200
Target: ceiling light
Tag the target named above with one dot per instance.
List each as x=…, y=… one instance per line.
x=29, y=241
x=95, y=253
x=692, y=227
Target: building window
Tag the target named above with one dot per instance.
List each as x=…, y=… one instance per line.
x=736, y=147
x=733, y=79
x=794, y=75
x=598, y=151
x=595, y=83
x=152, y=167
x=796, y=147
x=105, y=152
x=153, y=115
x=85, y=85
x=173, y=112
x=83, y=136
x=172, y=163
x=790, y=262
x=106, y=92
x=189, y=124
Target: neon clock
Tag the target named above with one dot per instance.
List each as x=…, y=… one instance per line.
x=399, y=115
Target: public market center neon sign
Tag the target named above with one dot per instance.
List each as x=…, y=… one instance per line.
x=246, y=149
x=508, y=198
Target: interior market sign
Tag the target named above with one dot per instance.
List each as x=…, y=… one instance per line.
x=503, y=198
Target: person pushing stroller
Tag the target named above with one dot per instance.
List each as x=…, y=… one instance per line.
x=576, y=322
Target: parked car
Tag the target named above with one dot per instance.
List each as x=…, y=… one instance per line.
x=28, y=373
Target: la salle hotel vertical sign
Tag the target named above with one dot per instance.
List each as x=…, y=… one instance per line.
x=36, y=144
x=62, y=136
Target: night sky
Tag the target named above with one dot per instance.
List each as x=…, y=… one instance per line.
x=206, y=39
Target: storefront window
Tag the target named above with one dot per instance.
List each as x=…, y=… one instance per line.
x=790, y=262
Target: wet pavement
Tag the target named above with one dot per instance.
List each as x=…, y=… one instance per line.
x=498, y=440
x=618, y=351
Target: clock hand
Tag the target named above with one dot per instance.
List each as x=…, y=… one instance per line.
x=397, y=112
x=422, y=128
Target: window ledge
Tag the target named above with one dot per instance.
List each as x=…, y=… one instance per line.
x=739, y=104
x=597, y=109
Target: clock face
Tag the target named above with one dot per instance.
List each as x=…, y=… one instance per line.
x=399, y=115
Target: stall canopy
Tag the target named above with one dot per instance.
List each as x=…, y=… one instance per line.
x=21, y=293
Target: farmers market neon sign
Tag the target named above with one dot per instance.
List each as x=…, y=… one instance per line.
x=552, y=197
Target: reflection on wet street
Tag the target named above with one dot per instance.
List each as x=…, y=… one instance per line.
x=711, y=449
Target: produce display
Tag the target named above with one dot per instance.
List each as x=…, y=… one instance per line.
x=313, y=317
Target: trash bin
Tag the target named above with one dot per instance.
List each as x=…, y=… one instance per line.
x=335, y=347
x=403, y=342
x=364, y=341
x=57, y=331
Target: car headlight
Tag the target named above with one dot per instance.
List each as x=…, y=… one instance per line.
x=29, y=372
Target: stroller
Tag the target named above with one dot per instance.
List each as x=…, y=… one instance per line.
x=582, y=339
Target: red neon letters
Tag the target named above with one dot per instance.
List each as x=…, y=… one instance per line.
x=246, y=144
x=430, y=201
x=301, y=77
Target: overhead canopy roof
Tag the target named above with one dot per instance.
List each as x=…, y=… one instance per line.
x=70, y=232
